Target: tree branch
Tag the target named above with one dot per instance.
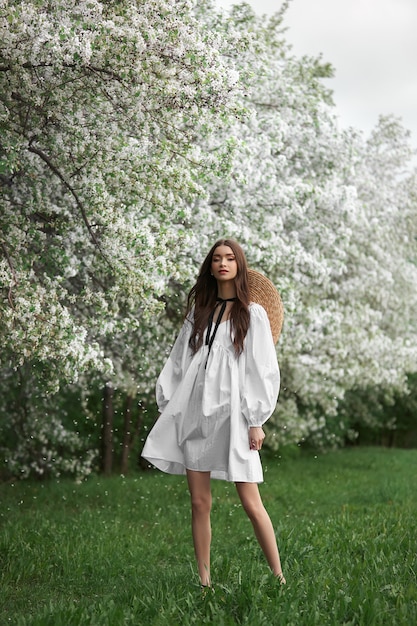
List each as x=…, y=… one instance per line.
x=71, y=189
x=15, y=281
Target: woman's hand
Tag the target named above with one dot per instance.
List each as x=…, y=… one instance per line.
x=256, y=437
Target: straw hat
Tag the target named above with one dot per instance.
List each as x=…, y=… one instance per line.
x=263, y=291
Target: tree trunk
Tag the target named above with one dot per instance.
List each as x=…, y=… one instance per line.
x=127, y=435
x=142, y=463
x=107, y=430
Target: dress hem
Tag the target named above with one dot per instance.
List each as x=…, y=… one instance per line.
x=178, y=469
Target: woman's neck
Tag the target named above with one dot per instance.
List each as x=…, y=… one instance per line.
x=226, y=290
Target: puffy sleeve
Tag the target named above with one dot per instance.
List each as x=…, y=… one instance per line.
x=175, y=367
x=260, y=378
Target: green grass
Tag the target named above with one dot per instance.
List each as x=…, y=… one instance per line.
x=118, y=551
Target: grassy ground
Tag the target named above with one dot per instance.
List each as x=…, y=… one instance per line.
x=118, y=551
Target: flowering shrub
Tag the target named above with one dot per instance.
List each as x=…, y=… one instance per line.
x=39, y=436
x=46, y=449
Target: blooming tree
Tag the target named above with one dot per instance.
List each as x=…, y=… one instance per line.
x=100, y=103
x=327, y=215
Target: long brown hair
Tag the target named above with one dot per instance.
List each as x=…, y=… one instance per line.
x=203, y=297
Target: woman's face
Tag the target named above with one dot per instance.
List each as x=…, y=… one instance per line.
x=223, y=264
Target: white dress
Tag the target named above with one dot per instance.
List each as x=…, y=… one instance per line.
x=209, y=400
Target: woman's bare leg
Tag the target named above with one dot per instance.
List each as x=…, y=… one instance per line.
x=264, y=531
x=200, y=492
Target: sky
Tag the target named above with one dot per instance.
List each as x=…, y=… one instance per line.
x=372, y=46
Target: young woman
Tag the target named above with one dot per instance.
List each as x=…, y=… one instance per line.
x=216, y=390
